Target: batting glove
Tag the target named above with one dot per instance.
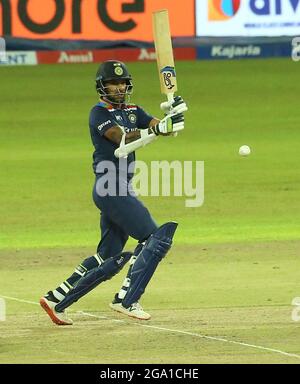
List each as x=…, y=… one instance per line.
x=169, y=124
x=177, y=105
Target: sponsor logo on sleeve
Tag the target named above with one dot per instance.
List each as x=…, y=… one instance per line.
x=101, y=126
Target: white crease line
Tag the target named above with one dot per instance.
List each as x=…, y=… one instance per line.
x=19, y=300
x=208, y=337
x=173, y=330
x=102, y=317
x=87, y=314
x=223, y=340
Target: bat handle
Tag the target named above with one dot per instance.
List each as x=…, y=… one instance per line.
x=170, y=97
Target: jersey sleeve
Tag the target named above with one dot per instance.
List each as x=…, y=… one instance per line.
x=101, y=120
x=143, y=118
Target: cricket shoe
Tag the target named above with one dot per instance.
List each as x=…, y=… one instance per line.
x=135, y=310
x=59, y=318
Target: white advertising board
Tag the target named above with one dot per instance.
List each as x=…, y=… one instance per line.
x=248, y=17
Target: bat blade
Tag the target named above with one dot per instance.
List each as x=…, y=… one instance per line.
x=164, y=53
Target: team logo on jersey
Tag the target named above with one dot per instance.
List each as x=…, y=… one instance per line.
x=119, y=71
x=132, y=118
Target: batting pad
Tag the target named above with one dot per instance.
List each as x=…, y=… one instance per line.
x=156, y=247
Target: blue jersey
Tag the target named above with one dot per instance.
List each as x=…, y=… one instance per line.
x=104, y=116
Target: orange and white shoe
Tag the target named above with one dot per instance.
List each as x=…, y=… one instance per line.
x=59, y=318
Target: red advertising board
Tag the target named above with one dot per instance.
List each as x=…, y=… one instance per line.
x=99, y=55
x=89, y=56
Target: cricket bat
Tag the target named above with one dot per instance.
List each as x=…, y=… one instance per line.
x=164, y=53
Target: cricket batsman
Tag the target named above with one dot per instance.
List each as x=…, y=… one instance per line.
x=117, y=129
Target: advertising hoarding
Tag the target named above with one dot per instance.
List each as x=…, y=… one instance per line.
x=248, y=17
x=92, y=19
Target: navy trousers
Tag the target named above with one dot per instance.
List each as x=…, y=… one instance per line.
x=121, y=217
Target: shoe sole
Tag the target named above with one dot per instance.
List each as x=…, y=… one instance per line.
x=50, y=313
x=120, y=310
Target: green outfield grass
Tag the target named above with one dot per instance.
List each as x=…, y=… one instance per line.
x=232, y=273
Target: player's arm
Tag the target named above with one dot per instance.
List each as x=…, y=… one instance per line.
x=165, y=127
x=153, y=127
x=168, y=125
x=115, y=134
x=153, y=123
x=102, y=122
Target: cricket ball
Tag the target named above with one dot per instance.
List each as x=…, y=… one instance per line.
x=244, y=150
